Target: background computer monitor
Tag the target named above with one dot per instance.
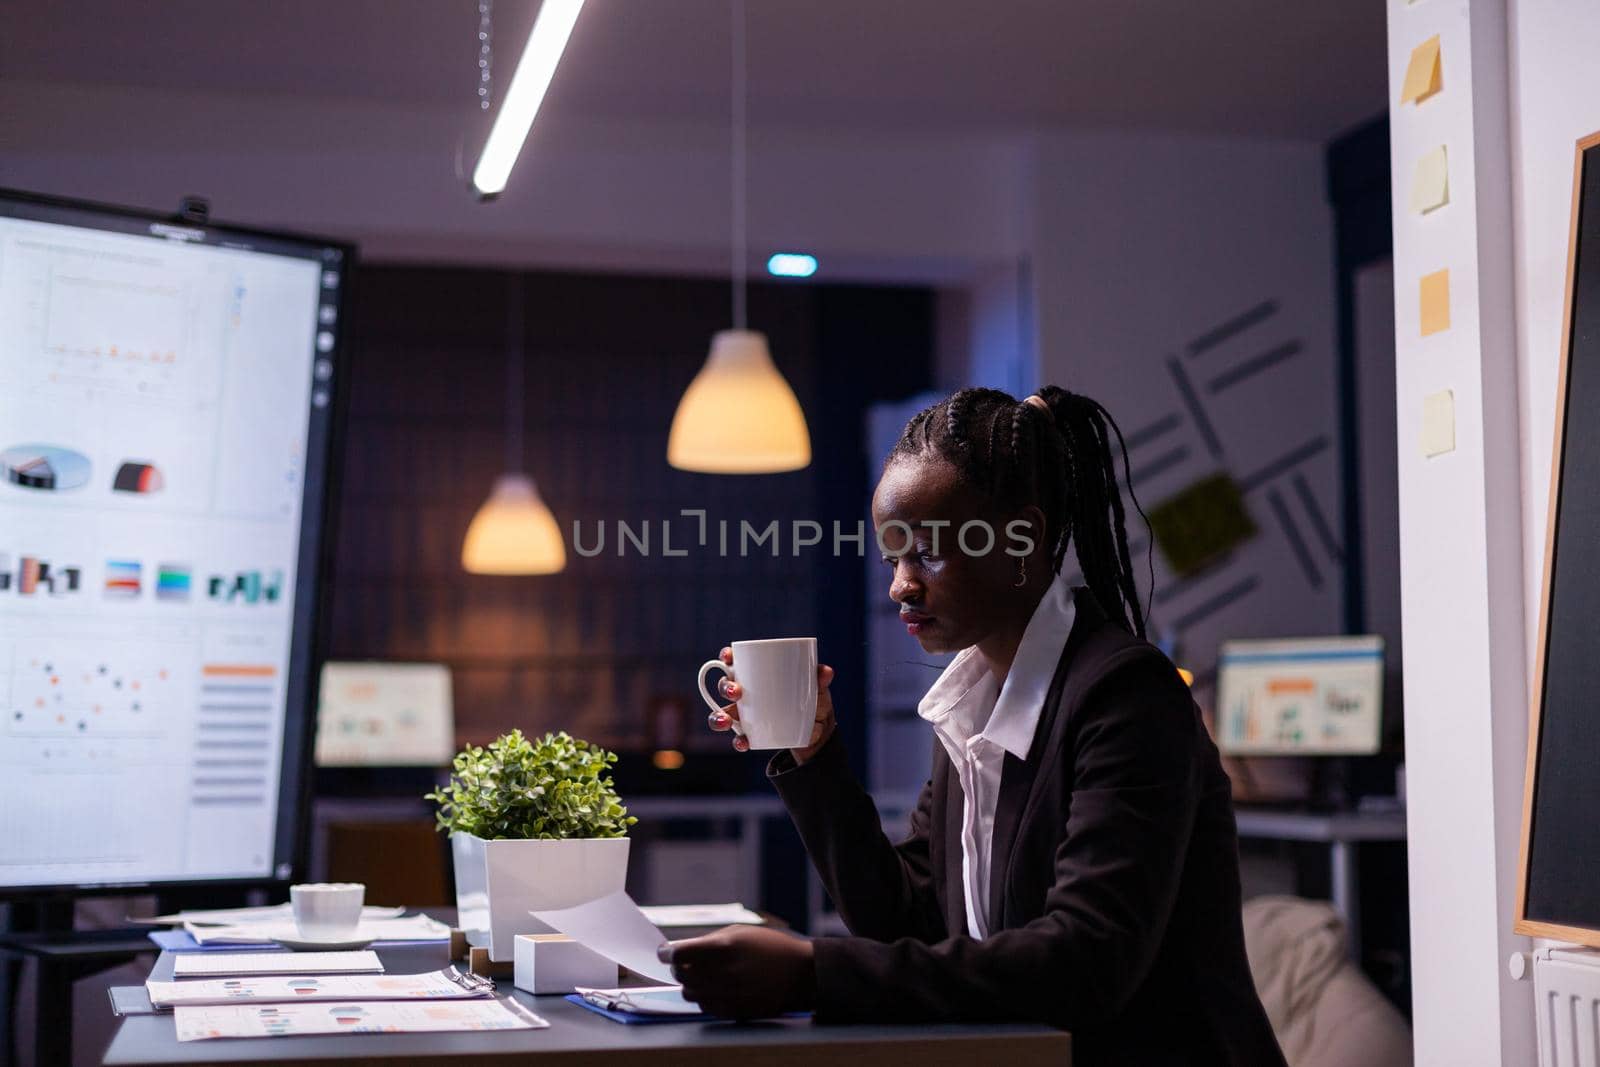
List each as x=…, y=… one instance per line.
x=385, y=715
x=1304, y=696
x=167, y=399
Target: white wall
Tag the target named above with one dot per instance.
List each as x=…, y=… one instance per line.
x=1144, y=245
x=1463, y=553
x=997, y=334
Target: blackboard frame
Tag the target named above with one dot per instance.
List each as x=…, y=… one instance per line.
x=1587, y=150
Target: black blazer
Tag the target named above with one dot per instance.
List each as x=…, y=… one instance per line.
x=1114, y=907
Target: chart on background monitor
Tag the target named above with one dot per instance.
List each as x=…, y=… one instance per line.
x=1300, y=696
x=164, y=399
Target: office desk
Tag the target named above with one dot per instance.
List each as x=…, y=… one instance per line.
x=1341, y=832
x=579, y=1038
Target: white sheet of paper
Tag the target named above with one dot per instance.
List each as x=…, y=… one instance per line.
x=614, y=927
x=366, y=1017
x=701, y=915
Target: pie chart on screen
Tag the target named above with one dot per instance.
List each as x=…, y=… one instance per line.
x=136, y=477
x=45, y=467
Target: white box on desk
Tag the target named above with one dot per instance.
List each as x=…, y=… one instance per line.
x=553, y=963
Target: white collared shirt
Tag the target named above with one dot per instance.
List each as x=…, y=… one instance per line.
x=978, y=726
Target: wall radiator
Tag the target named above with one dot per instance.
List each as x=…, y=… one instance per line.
x=1566, y=991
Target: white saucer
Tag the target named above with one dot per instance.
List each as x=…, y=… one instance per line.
x=321, y=946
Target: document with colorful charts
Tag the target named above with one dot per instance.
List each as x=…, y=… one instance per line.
x=447, y=984
x=346, y=1017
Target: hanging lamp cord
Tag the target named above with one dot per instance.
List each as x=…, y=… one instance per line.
x=514, y=358
x=738, y=137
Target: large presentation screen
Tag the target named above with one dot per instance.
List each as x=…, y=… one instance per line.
x=166, y=397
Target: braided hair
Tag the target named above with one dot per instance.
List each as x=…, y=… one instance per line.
x=1060, y=460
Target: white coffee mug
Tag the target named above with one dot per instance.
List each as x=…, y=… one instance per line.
x=779, y=679
x=327, y=911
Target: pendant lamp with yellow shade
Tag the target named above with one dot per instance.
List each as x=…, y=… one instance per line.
x=739, y=415
x=514, y=531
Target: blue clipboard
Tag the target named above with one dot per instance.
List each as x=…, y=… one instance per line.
x=633, y=1018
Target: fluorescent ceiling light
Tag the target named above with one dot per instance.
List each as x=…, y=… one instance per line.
x=528, y=85
x=792, y=265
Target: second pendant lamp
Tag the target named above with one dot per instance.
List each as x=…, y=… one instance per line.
x=514, y=531
x=739, y=415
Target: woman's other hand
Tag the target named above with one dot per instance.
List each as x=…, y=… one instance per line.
x=745, y=972
x=820, y=731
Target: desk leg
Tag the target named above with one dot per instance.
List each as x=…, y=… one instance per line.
x=52, y=1040
x=1347, y=893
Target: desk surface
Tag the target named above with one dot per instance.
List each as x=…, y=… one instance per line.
x=580, y=1037
x=1320, y=826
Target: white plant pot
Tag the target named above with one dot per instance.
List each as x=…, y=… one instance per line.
x=499, y=882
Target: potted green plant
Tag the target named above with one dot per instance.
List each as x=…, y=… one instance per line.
x=533, y=825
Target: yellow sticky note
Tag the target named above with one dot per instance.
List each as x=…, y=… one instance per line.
x=1424, y=75
x=1430, y=182
x=1438, y=423
x=1435, y=302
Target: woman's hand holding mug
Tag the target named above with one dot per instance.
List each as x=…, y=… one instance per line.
x=728, y=717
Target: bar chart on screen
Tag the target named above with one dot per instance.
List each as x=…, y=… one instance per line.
x=234, y=743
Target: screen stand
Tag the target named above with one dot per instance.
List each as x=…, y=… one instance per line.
x=43, y=931
x=1330, y=784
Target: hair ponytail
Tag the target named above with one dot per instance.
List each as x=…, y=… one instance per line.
x=1095, y=518
x=1058, y=457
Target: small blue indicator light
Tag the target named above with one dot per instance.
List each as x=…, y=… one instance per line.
x=792, y=265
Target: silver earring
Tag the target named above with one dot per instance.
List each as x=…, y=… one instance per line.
x=1022, y=573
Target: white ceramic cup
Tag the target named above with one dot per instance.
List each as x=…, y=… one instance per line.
x=327, y=911
x=779, y=679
